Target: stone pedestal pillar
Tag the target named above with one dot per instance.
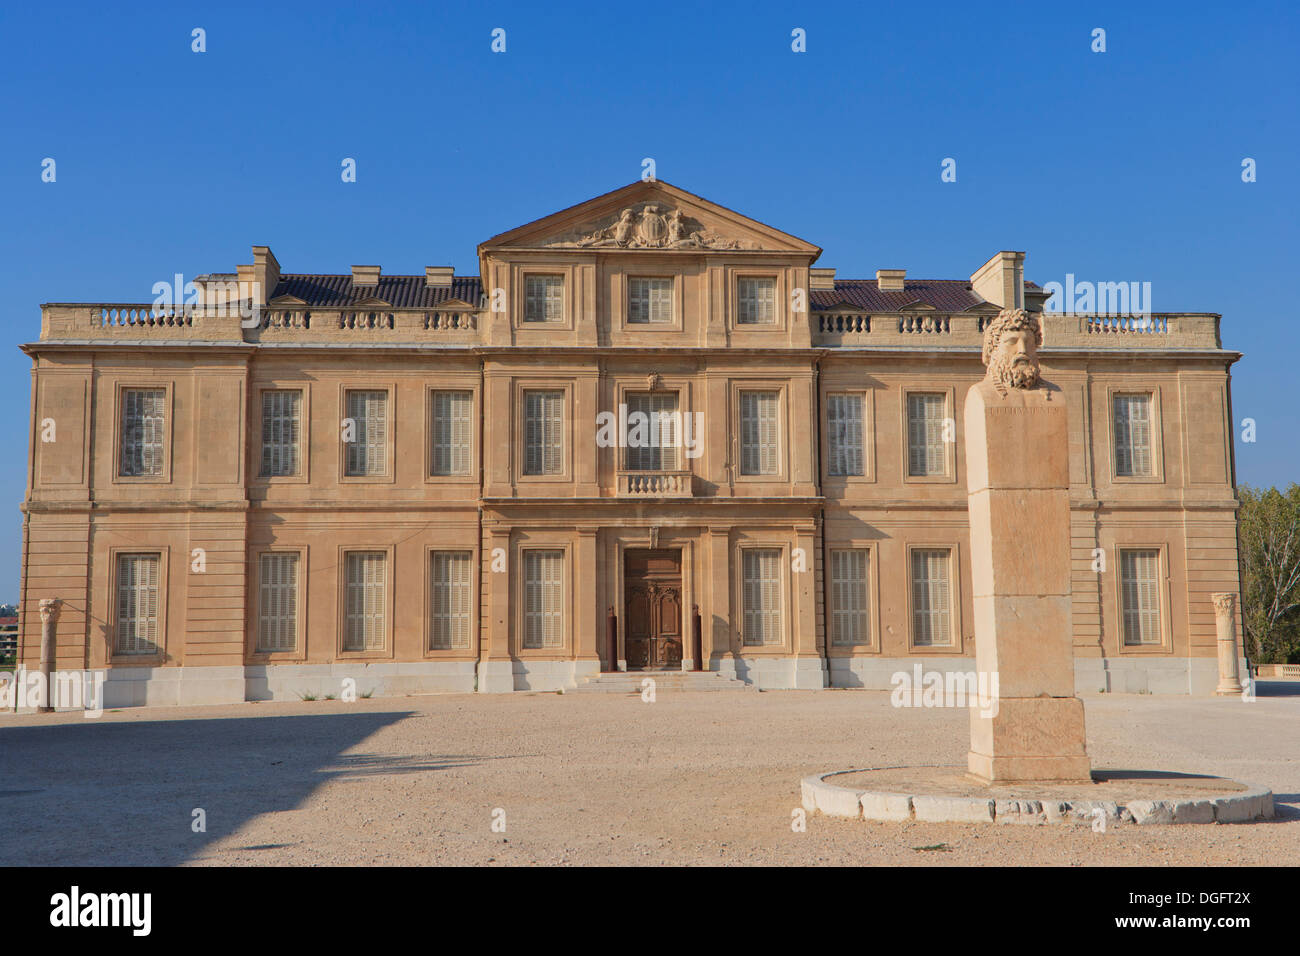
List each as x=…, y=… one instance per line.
x=1225, y=623
x=49, y=650
x=1028, y=725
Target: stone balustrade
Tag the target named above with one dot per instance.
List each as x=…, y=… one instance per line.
x=655, y=484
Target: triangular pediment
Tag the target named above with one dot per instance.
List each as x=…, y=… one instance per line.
x=370, y=301
x=287, y=300
x=650, y=216
x=457, y=305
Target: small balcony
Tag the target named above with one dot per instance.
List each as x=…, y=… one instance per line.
x=654, y=484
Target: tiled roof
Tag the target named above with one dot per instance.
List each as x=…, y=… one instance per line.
x=404, y=292
x=944, y=295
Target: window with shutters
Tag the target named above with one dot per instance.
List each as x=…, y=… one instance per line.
x=277, y=602
x=544, y=432
x=657, y=434
x=144, y=433
x=649, y=301
x=543, y=599
x=757, y=300
x=281, y=432
x=544, y=299
x=452, y=419
x=850, y=597
x=760, y=433
x=845, y=434
x=450, y=599
x=1139, y=581
x=761, y=601
x=927, y=452
x=365, y=600
x=931, y=597
x=367, y=452
x=138, y=587
x=1134, y=455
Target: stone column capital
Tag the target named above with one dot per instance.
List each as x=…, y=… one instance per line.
x=50, y=609
x=1225, y=602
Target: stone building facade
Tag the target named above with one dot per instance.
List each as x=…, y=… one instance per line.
x=408, y=480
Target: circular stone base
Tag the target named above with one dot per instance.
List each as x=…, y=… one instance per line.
x=951, y=795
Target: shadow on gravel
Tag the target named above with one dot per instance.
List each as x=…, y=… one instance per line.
x=92, y=794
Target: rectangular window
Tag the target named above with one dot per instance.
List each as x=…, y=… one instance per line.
x=844, y=434
x=650, y=301
x=927, y=453
x=365, y=600
x=544, y=433
x=544, y=299
x=760, y=443
x=656, y=435
x=850, y=623
x=367, y=452
x=543, y=599
x=450, y=599
x=931, y=597
x=144, y=431
x=1139, y=572
x=281, y=432
x=761, y=596
x=1133, y=456
x=137, y=603
x=277, y=603
x=452, y=421
x=757, y=301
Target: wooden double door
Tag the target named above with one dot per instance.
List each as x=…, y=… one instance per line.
x=652, y=604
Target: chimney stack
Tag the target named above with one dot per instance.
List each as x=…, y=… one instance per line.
x=1001, y=280
x=821, y=278
x=438, y=277
x=890, y=280
x=365, y=276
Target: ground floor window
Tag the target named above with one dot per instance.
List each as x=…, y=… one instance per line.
x=761, y=596
x=137, y=603
x=849, y=622
x=931, y=597
x=365, y=600
x=450, y=599
x=1139, y=571
x=543, y=599
x=277, y=605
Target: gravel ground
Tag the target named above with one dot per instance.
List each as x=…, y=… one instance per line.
x=694, y=778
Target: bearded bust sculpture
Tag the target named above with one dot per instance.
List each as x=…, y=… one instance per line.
x=1011, y=343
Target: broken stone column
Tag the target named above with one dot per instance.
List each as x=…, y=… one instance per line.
x=49, y=650
x=1017, y=470
x=1225, y=623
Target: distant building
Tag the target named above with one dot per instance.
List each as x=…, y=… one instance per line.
x=408, y=479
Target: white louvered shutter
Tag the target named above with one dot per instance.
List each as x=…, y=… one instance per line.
x=850, y=623
x=281, y=431
x=137, y=603
x=543, y=433
x=1140, y=595
x=543, y=599
x=761, y=596
x=543, y=299
x=760, y=440
x=926, y=452
x=844, y=434
x=452, y=423
x=144, y=431
x=757, y=301
x=931, y=598
x=1133, y=435
x=366, y=588
x=368, y=453
x=650, y=301
x=277, y=621
x=660, y=431
x=450, y=599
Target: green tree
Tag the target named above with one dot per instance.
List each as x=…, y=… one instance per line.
x=1270, y=569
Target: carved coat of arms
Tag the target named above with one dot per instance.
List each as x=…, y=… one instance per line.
x=649, y=228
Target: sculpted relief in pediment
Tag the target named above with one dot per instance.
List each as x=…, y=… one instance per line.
x=650, y=226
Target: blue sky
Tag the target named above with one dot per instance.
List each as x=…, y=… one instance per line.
x=1115, y=166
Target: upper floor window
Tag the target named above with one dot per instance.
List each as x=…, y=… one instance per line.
x=452, y=421
x=144, y=431
x=653, y=425
x=931, y=597
x=844, y=434
x=927, y=453
x=650, y=301
x=138, y=577
x=757, y=297
x=366, y=434
x=1139, y=577
x=281, y=431
x=544, y=299
x=277, y=617
x=544, y=432
x=760, y=433
x=1133, y=454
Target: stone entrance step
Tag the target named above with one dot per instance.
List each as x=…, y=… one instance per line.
x=630, y=682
